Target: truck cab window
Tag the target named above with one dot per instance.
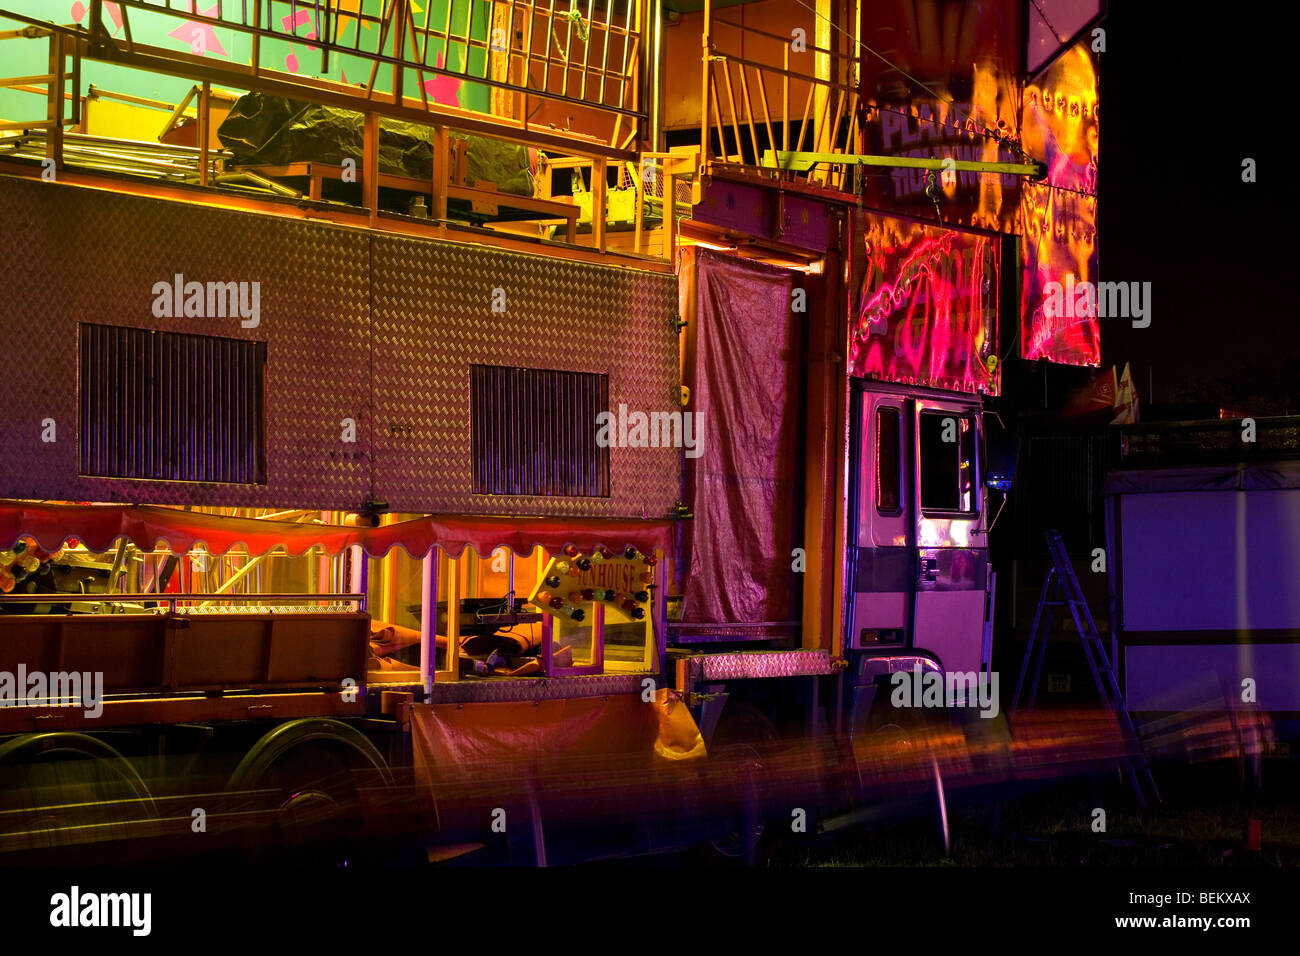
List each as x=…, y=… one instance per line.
x=947, y=462
x=889, y=476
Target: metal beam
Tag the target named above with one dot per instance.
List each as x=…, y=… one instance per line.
x=801, y=161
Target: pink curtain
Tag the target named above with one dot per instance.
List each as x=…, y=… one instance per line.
x=743, y=487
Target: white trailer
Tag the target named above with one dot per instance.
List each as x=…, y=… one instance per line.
x=1203, y=565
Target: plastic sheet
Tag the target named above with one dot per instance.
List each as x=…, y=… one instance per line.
x=274, y=131
x=600, y=744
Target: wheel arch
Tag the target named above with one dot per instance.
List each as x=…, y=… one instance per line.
x=18, y=749
x=286, y=737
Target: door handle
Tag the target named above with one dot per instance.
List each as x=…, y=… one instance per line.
x=930, y=569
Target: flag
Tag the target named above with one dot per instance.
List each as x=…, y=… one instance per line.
x=1096, y=397
x=1126, y=400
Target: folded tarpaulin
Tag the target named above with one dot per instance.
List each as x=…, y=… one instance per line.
x=271, y=130
x=99, y=526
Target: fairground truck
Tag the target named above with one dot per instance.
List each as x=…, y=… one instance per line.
x=683, y=464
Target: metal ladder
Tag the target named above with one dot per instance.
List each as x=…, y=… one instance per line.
x=1061, y=589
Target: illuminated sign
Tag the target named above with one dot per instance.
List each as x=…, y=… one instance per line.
x=927, y=313
x=1059, y=217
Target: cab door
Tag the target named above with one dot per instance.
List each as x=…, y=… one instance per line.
x=950, y=542
x=882, y=559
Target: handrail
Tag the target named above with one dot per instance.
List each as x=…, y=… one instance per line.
x=520, y=35
x=414, y=109
x=755, y=31
x=171, y=600
x=745, y=130
x=45, y=140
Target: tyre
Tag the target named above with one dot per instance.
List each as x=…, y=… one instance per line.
x=306, y=773
x=739, y=757
x=60, y=789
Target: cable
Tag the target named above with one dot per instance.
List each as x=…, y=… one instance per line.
x=860, y=44
x=1056, y=33
x=987, y=133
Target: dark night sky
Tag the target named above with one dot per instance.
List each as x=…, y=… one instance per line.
x=1186, y=93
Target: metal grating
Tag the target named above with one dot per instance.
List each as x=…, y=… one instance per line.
x=167, y=405
x=533, y=432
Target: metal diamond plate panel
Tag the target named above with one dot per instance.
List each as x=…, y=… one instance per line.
x=362, y=326
x=747, y=664
x=537, y=688
x=434, y=318
x=77, y=255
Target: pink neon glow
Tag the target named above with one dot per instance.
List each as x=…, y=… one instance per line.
x=927, y=312
x=1058, y=233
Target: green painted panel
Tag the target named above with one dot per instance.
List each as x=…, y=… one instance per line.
x=27, y=57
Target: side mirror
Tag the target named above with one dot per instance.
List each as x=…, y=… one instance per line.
x=1002, y=483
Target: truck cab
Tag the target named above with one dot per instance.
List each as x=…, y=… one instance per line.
x=918, y=571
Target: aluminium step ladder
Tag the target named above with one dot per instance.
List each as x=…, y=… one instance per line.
x=1061, y=589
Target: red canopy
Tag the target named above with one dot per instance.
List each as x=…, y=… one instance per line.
x=150, y=527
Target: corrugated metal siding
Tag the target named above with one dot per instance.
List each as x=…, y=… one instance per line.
x=169, y=406
x=361, y=330
x=533, y=432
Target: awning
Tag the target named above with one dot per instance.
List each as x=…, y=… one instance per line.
x=99, y=526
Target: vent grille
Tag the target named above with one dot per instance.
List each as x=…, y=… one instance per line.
x=164, y=405
x=533, y=432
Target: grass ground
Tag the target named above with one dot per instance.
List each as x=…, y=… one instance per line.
x=1201, y=822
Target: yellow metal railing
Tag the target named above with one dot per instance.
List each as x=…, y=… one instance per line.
x=752, y=107
x=556, y=59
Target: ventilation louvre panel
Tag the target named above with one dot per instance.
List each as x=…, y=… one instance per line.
x=533, y=432
x=170, y=406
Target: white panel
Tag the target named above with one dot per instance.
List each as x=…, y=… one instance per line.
x=1199, y=677
x=880, y=609
x=950, y=624
x=1211, y=560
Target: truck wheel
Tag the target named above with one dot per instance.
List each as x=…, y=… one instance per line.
x=901, y=751
x=909, y=728
x=54, y=784
x=739, y=754
x=311, y=769
x=315, y=785
x=906, y=727
x=317, y=811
